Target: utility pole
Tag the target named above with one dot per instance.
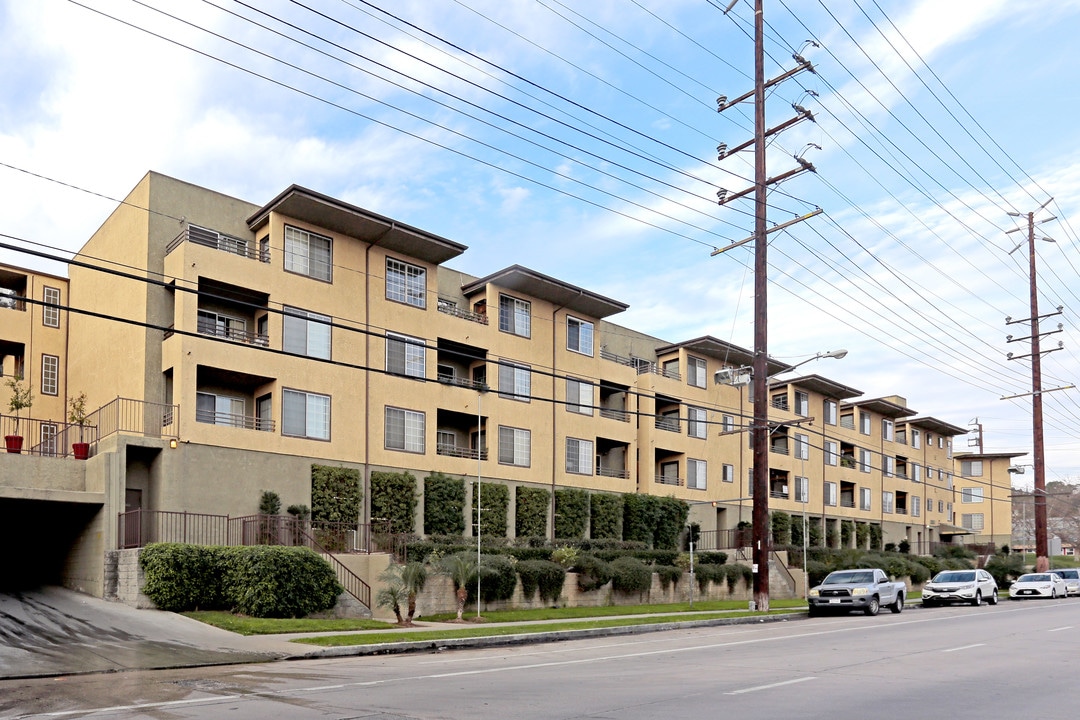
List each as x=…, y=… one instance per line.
x=759, y=431
x=1042, y=560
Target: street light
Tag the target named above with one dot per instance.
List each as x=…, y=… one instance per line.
x=837, y=354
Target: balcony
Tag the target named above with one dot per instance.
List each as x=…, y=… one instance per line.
x=670, y=480
x=611, y=414
x=458, y=451
x=848, y=502
x=450, y=307
x=219, y=241
x=612, y=472
x=671, y=424
x=216, y=325
x=642, y=365
x=248, y=422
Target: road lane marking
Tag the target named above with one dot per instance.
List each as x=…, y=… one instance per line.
x=770, y=686
x=965, y=647
x=1067, y=627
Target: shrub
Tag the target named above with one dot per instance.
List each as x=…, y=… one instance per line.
x=875, y=537
x=781, y=528
x=571, y=513
x=904, y=546
x=816, y=571
x=862, y=534
x=668, y=574
x=531, y=511
x=733, y=573
x=954, y=552
x=498, y=578
x=706, y=574
x=669, y=524
x=495, y=498
x=630, y=575
x=815, y=531
x=710, y=557
x=607, y=516
x=184, y=577
x=593, y=573
x=444, y=504
x=566, y=555
x=832, y=535
x=1004, y=568
x=336, y=494
x=640, y=513
x=847, y=532
x=542, y=575
x=393, y=498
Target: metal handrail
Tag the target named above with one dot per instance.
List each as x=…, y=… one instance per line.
x=662, y=480
x=248, y=422
x=125, y=415
x=612, y=414
x=464, y=314
x=457, y=451
x=612, y=473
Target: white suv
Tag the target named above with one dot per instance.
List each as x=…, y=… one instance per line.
x=966, y=586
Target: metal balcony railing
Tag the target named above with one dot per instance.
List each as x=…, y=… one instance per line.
x=451, y=309
x=448, y=379
x=46, y=438
x=124, y=415
x=670, y=480
x=451, y=450
x=219, y=241
x=210, y=326
x=612, y=414
x=612, y=472
x=671, y=424
x=248, y=422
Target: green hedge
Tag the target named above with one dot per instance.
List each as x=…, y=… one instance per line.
x=496, y=501
x=607, y=516
x=393, y=498
x=668, y=574
x=260, y=581
x=542, y=575
x=656, y=521
x=571, y=513
x=531, y=511
x=630, y=575
x=498, y=578
x=444, y=504
x=781, y=528
x=593, y=573
x=336, y=494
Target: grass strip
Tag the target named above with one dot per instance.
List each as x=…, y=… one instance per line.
x=609, y=610
x=244, y=625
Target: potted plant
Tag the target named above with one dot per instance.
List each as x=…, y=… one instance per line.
x=77, y=416
x=19, y=401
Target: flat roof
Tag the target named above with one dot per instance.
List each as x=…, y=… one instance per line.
x=821, y=385
x=544, y=287
x=341, y=217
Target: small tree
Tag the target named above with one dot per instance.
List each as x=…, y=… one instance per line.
x=392, y=593
x=413, y=576
x=77, y=412
x=20, y=399
x=461, y=567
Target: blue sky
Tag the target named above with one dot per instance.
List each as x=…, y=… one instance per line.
x=935, y=120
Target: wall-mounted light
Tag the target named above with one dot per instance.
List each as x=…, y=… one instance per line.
x=172, y=443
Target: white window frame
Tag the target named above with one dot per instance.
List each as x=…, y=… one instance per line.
x=406, y=283
x=696, y=371
x=697, y=474
x=865, y=460
x=306, y=333
x=229, y=410
x=50, y=374
x=916, y=438
x=583, y=342
x=866, y=499
x=515, y=316
x=916, y=510
x=887, y=501
x=696, y=422
x=405, y=355
x=413, y=429
x=47, y=435
x=316, y=414
x=579, y=396
x=802, y=446
x=515, y=381
x=887, y=429
x=972, y=495
x=727, y=473
x=972, y=521
x=829, y=410
x=802, y=403
x=515, y=446
x=832, y=452
x=50, y=311
x=865, y=422
x=916, y=473
x=971, y=468
x=298, y=251
x=728, y=423
x=802, y=489
x=579, y=456
x=890, y=466
x=829, y=492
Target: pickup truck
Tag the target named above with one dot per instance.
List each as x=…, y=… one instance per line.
x=860, y=589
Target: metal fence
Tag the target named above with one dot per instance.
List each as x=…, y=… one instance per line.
x=125, y=415
x=46, y=438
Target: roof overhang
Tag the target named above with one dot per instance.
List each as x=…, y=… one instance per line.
x=725, y=352
x=821, y=385
x=988, y=456
x=883, y=407
x=326, y=212
x=947, y=529
x=543, y=287
x=938, y=426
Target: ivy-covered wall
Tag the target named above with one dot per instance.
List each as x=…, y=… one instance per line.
x=444, y=504
x=531, y=511
x=336, y=494
x=495, y=499
x=393, y=498
x=607, y=516
x=571, y=513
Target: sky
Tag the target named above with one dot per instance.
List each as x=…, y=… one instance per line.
x=579, y=139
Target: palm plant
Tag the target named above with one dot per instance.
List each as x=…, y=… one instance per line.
x=413, y=577
x=392, y=593
x=462, y=571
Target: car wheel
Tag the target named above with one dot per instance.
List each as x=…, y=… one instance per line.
x=928, y=603
x=993, y=599
x=813, y=612
x=977, y=601
x=873, y=607
x=898, y=606
x=1053, y=593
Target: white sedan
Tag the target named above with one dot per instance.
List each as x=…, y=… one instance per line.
x=1046, y=584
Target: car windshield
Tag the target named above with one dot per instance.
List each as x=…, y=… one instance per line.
x=844, y=578
x=1034, y=578
x=1069, y=574
x=951, y=577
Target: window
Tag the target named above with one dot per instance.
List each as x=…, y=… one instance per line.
x=50, y=374
x=579, y=456
x=305, y=414
x=864, y=422
x=802, y=403
x=947, y=477
x=948, y=449
x=940, y=442
x=802, y=489
x=404, y=430
x=670, y=369
x=579, y=397
x=515, y=316
x=264, y=409
x=406, y=283
x=405, y=356
x=579, y=336
x=695, y=371
x=864, y=498
x=264, y=249
x=916, y=438
x=864, y=460
x=890, y=466
x=887, y=429
x=515, y=382
x=802, y=447
x=886, y=502
x=972, y=521
x=696, y=426
x=829, y=412
x=514, y=446
x=971, y=495
x=832, y=452
x=305, y=333
x=219, y=409
x=308, y=254
x=696, y=474
x=901, y=435
x=941, y=506
x=750, y=481
x=847, y=420
x=50, y=313
x=830, y=493
x=48, y=435
x=929, y=473
x=727, y=473
x=971, y=468
x=915, y=503
x=779, y=401
x=916, y=473
x=728, y=423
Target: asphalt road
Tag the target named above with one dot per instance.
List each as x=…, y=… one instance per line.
x=1016, y=660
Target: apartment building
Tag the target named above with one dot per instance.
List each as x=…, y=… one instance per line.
x=228, y=347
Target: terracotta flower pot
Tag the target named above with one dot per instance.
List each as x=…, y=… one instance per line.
x=13, y=443
x=81, y=451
